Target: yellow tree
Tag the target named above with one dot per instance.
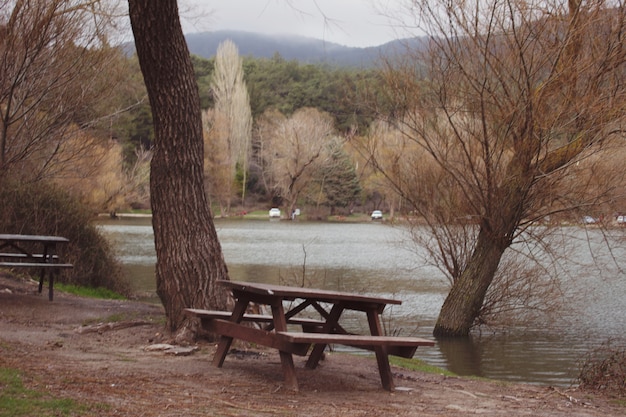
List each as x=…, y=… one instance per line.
x=99, y=177
x=233, y=115
x=218, y=169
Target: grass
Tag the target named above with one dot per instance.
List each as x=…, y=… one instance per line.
x=621, y=402
x=90, y=292
x=418, y=365
x=16, y=400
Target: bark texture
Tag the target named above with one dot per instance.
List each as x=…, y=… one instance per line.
x=189, y=255
x=466, y=296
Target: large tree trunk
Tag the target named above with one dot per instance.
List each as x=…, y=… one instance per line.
x=465, y=299
x=189, y=255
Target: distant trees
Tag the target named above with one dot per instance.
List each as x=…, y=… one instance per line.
x=286, y=86
x=229, y=124
x=293, y=150
x=338, y=180
x=507, y=103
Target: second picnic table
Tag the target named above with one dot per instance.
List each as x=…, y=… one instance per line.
x=16, y=251
x=329, y=304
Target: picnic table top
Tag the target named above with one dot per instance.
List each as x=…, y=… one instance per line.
x=292, y=293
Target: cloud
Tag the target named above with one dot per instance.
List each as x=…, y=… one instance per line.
x=347, y=22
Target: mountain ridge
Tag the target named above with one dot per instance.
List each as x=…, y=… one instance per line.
x=293, y=47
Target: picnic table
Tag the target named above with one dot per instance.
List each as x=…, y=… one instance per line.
x=33, y=251
x=278, y=329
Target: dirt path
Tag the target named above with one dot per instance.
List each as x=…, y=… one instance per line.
x=57, y=351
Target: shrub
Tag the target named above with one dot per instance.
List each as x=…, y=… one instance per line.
x=605, y=370
x=44, y=209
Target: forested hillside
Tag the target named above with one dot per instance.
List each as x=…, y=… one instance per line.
x=286, y=86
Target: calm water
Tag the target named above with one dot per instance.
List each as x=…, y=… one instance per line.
x=372, y=259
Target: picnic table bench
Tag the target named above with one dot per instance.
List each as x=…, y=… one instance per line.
x=17, y=252
x=308, y=325
x=316, y=333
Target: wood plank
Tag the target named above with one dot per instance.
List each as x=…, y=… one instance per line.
x=404, y=349
x=24, y=255
x=46, y=265
x=286, y=358
x=292, y=293
x=261, y=318
x=381, y=351
x=224, y=345
x=33, y=238
x=353, y=340
x=318, y=349
x=252, y=335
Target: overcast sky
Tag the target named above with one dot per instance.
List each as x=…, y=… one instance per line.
x=347, y=22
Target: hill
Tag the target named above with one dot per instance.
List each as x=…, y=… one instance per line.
x=302, y=49
x=299, y=48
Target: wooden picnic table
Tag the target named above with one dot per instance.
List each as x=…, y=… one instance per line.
x=315, y=332
x=16, y=251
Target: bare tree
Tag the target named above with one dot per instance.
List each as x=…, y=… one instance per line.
x=505, y=102
x=189, y=254
x=294, y=150
x=265, y=126
x=53, y=60
x=232, y=111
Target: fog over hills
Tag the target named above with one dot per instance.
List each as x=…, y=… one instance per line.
x=290, y=47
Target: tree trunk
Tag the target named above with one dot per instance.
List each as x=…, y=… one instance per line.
x=465, y=299
x=189, y=255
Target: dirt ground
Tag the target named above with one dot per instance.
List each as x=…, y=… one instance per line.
x=98, y=352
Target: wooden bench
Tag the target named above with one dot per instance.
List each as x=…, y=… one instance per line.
x=217, y=321
x=308, y=325
x=25, y=256
x=248, y=334
x=35, y=265
x=22, y=260
x=398, y=346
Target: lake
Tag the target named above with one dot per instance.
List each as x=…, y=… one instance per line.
x=372, y=258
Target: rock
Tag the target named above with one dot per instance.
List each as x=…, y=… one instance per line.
x=171, y=349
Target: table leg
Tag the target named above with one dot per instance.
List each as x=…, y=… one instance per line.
x=222, y=348
x=382, y=356
x=48, y=251
x=51, y=283
x=331, y=323
x=42, y=275
x=286, y=358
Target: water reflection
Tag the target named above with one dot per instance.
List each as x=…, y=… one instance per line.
x=461, y=356
x=371, y=259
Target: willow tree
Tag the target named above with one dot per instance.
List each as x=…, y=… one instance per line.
x=502, y=102
x=189, y=255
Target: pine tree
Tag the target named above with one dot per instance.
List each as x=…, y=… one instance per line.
x=340, y=182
